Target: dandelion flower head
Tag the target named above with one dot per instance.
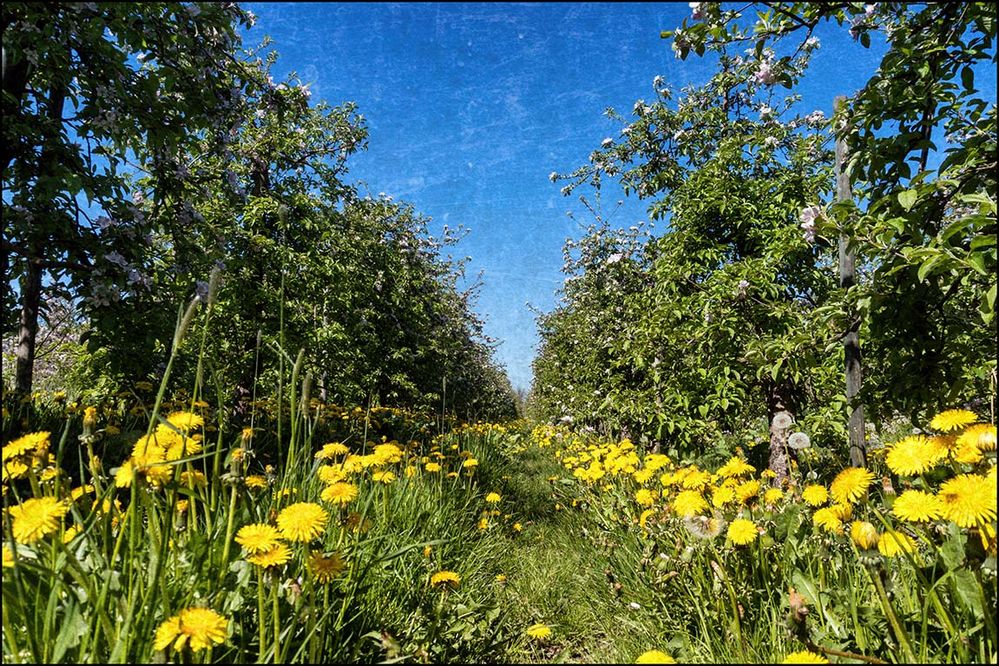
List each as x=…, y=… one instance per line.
x=37, y=518
x=197, y=628
x=742, y=532
x=303, y=521
x=851, y=484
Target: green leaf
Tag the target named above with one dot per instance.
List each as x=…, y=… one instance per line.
x=907, y=199
x=977, y=262
x=927, y=266
x=952, y=549
x=968, y=79
x=982, y=241
x=73, y=626
x=806, y=588
x=966, y=588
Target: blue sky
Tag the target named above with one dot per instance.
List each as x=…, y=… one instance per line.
x=471, y=106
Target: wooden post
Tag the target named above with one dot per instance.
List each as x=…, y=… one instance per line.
x=851, y=342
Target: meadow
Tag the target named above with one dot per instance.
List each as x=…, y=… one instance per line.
x=252, y=414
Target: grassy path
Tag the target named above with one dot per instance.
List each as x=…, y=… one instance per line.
x=557, y=576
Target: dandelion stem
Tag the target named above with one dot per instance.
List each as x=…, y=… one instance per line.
x=900, y=634
x=277, y=622
x=261, y=616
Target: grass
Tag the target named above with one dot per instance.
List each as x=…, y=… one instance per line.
x=610, y=577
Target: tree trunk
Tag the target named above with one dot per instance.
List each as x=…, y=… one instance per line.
x=851, y=342
x=31, y=296
x=260, y=176
x=780, y=401
x=31, y=287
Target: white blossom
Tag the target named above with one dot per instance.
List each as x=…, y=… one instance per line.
x=815, y=118
x=765, y=74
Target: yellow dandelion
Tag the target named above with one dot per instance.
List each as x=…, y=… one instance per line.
x=987, y=534
x=893, y=544
x=952, y=419
x=90, y=418
x=815, y=495
x=969, y=500
x=324, y=568
x=500, y=578
x=330, y=474
x=339, y=493
x=36, y=442
x=258, y=537
x=432, y=467
x=275, y=556
x=255, y=482
x=772, y=496
x=850, y=484
x=539, y=631
x=71, y=533
x=14, y=469
x=517, y=527
x=332, y=450
x=471, y=463
x=388, y=453
x=742, y=531
x=655, y=657
x=8, y=557
x=37, y=518
x=722, y=496
x=696, y=479
x=842, y=511
x=980, y=435
x=445, y=579
x=197, y=628
x=828, y=519
x=916, y=506
x=185, y=421
x=864, y=534
x=689, y=503
x=804, y=657
x=645, y=497
x=914, y=455
x=193, y=479
x=303, y=521
x=643, y=475
x=175, y=445
x=493, y=498
x=748, y=490
x=736, y=466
